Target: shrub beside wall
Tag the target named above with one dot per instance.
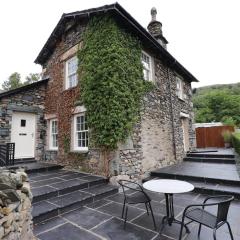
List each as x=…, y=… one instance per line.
x=236, y=145
x=236, y=142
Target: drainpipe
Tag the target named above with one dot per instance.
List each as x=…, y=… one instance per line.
x=171, y=112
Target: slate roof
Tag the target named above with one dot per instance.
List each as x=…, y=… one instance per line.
x=23, y=88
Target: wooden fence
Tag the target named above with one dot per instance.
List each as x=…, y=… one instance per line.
x=211, y=136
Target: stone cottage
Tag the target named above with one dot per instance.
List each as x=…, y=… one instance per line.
x=46, y=115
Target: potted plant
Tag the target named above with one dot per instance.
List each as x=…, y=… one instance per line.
x=227, y=138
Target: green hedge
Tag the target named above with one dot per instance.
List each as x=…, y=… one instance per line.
x=236, y=142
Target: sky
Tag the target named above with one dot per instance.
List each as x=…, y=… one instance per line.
x=203, y=35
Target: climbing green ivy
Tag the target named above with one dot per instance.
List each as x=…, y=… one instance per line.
x=111, y=81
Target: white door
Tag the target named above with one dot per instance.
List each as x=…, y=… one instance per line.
x=23, y=134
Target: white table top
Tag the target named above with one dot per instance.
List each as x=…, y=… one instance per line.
x=168, y=186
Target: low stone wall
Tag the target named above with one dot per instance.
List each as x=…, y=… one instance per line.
x=15, y=206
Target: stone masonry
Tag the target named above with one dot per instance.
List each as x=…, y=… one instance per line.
x=30, y=100
x=160, y=126
x=157, y=139
x=15, y=206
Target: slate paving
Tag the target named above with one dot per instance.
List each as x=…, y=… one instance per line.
x=203, y=170
x=102, y=220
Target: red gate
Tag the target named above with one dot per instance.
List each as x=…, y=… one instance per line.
x=211, y=136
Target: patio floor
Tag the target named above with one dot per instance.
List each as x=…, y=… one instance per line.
x=102, y=220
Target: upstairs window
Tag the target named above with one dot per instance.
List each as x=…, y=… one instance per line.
x=80, y=132
x=71, y=72
x=147, y=66
x=53, y=134
x=180, y=91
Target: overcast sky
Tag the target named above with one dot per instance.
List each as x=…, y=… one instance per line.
x=203, y=35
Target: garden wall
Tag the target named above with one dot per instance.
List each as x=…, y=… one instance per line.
x=15, y=206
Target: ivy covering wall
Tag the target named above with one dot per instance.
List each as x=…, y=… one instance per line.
x=111, y=81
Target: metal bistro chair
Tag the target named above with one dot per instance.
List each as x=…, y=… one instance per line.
x=197, y=213
x=138, y=197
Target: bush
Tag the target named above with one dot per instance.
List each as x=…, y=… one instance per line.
x=227, y=136
x=236, y=142
x=228, y=121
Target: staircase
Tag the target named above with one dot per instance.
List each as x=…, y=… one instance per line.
x=56, y=191
x=210, y=172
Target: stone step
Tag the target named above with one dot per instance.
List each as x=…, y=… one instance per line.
x=195, y=178
x=24, y=161
x=216, y=189
x=57, y=185
x=213, y=160
x=44, y=210
x=210, y=188
x=208, y=155
x=36, y=167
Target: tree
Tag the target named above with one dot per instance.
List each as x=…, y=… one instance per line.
x=14, y=81
x=217, y=105
x=32, y=77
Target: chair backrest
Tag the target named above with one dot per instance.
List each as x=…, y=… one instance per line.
x=223, y=207
x=130, y=185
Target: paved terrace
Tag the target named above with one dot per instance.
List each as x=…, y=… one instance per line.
x=101, y=220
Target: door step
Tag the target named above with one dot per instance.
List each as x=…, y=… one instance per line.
x=36, y=167
x=24, y=160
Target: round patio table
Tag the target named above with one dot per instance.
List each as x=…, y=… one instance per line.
x=169, y=187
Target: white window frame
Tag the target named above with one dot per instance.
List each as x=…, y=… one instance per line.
x=180, y=87
x=51, y=147
x=67, y=75
x=75, y=134
x=150, y=69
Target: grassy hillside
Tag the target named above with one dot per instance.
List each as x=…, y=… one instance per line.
x=217, y=103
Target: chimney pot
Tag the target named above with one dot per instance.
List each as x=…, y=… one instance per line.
x=155, y=29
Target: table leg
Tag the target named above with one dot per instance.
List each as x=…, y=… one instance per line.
x=170, y=218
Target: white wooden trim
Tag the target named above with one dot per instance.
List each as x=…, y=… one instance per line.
x=75, y=146
x=51, y=147
x=151, y=66
x=66, y=73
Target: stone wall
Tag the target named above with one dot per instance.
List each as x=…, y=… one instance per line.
x=30, y=100
x=61, y=102
x=157, y=139
x=15, y=206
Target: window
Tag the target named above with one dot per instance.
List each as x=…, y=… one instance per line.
x=71, y=72
x=180, y=92
x=23, y=123
x=147, y=66
x=53, y=134
x=80, y=132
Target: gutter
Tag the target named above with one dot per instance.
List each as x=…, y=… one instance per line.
x=171, y=112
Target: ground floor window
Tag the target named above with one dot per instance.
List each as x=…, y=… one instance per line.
x=53, y=141
x=80, y=132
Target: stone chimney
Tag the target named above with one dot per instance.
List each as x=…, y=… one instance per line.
x=155, y=29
